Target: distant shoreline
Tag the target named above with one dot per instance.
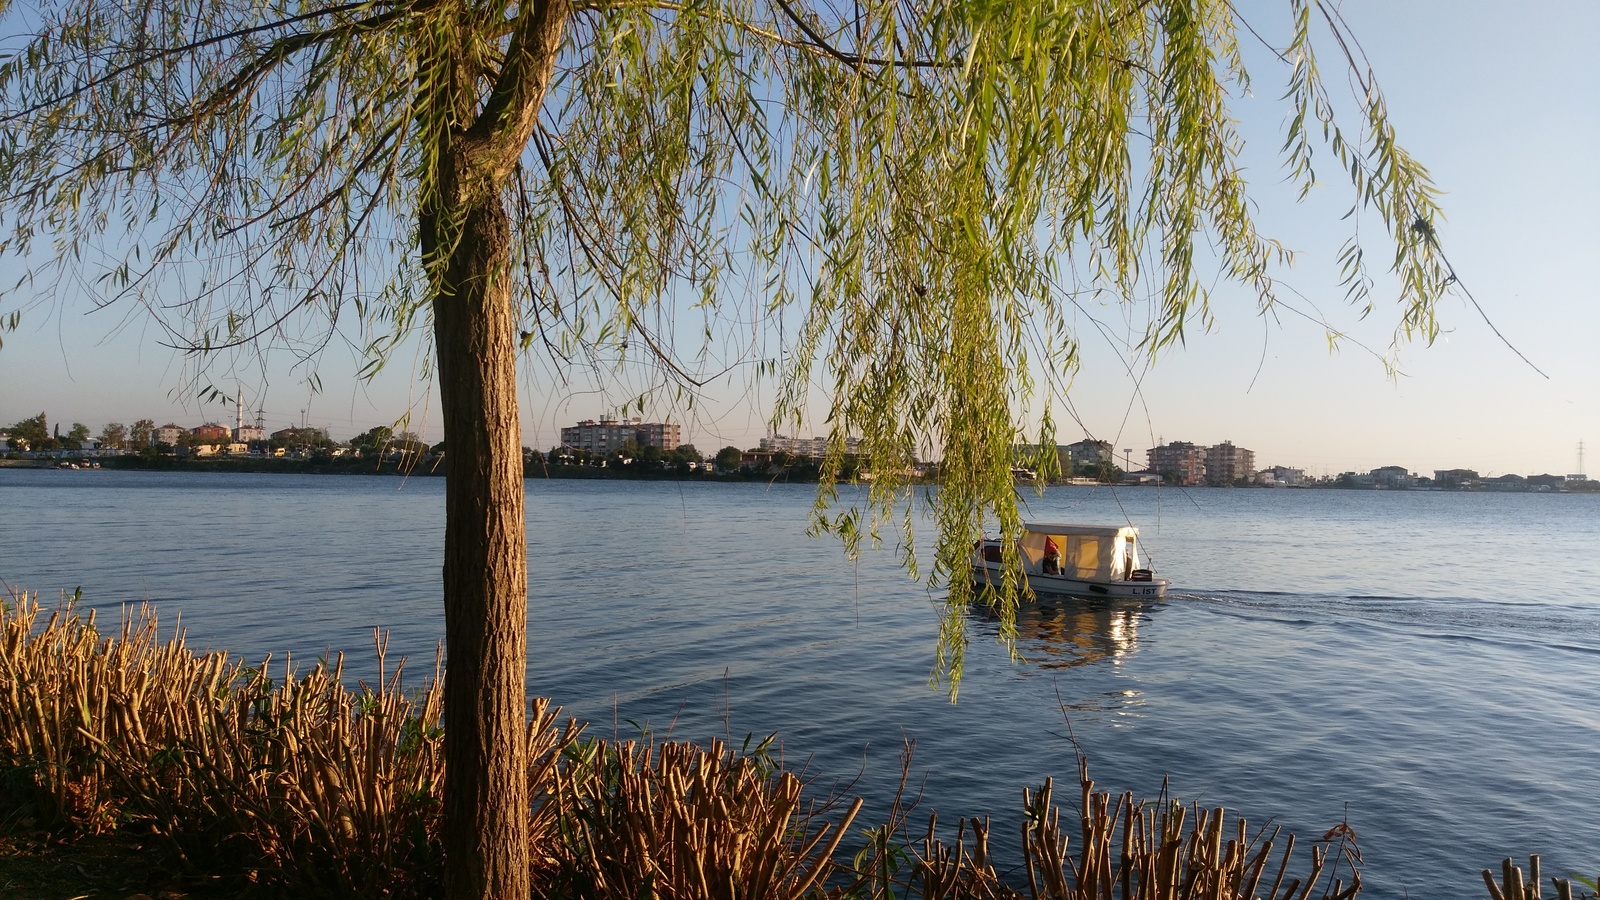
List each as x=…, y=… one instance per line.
x=347, y=466
x=542, y=470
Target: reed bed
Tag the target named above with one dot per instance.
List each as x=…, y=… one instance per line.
x=311, y=788
x=682, y=822
x=306, y=785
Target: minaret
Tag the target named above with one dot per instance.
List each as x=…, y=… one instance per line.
x=238, y=414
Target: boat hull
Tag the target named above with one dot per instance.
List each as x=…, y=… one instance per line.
x=988, y=574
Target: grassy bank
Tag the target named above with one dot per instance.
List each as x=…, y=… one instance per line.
x=267, y=781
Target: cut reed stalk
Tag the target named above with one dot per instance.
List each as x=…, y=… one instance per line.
x=1128, y=850
x=1512, y=886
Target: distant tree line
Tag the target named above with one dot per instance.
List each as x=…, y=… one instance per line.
x=405, y=451
x=35, y=434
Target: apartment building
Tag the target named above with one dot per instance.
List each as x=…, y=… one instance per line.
x=609, y=434
x=1181, y=461
x=169, y=434
x=213, y=433
x=814, y=447
x=1227, y=464
x=1086, y=453
x=657, y=434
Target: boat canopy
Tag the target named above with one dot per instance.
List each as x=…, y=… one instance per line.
x=1088, y=552
x=1102, y=530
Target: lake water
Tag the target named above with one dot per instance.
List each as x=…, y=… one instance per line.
x=1425, y=666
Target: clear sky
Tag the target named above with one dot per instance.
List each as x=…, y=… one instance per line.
x=1500, y=100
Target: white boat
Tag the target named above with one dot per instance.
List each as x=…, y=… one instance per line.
x=1074, y=561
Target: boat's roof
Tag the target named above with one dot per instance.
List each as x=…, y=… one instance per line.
x=1097, y=530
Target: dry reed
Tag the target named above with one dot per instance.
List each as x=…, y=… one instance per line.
x=1127, y=851
x=307, y=784
x=313, y=789
x=681, y=822
x=1513, y=887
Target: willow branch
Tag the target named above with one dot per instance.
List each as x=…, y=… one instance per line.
x=180, y=50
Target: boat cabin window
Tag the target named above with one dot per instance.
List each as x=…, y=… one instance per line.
x=1084, y=554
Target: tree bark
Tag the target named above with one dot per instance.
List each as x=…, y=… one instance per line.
x=485, y=563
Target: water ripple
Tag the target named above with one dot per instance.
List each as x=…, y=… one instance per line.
x=1394, y=658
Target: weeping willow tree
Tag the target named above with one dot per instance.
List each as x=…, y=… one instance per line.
x=912, y=181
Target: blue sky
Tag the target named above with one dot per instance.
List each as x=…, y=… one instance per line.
x=1500, y=101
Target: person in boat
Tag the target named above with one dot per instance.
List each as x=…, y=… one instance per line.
x=1051, y=564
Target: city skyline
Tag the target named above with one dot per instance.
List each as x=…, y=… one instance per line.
x=1507, y=141
x=665, y=434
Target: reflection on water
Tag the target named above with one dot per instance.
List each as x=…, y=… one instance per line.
x=1095, y=636
x=1063, y=632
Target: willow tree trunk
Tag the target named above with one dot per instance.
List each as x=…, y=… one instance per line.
x=465, y=237
x=485, y=564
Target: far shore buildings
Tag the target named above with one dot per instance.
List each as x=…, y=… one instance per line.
x=1393, y=478
x=1281, y=476
x=212, y=433
x=1179, y=461
x=608, y=435
x=814, y=447
x=301, y=437
x=168, y=434
x=1227, y=464
x=1087, y=453
x=1455, y=479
